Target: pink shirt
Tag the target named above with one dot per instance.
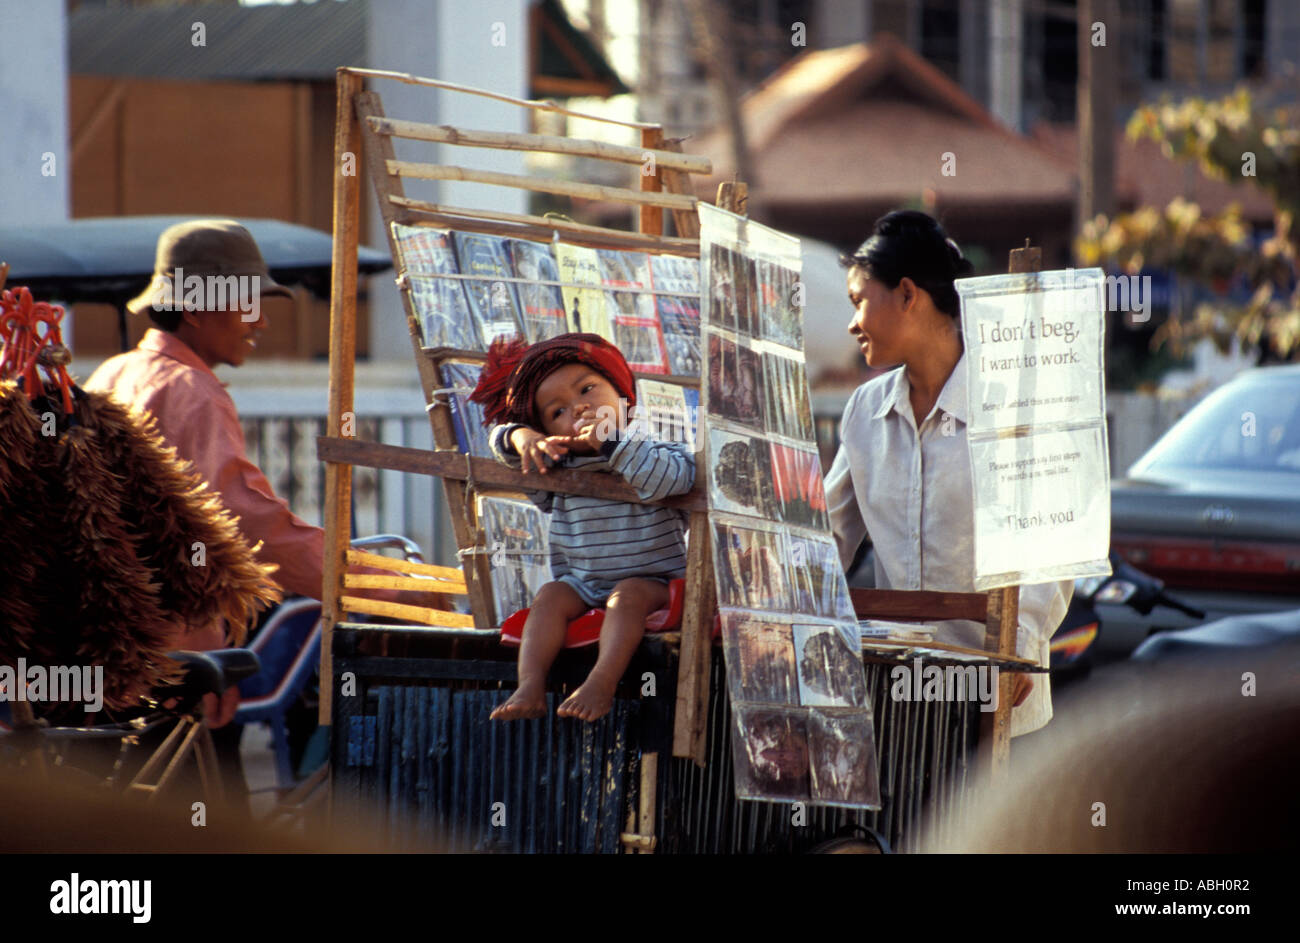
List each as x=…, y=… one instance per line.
x=197, y=417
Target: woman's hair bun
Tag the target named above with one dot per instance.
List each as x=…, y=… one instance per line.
x=961, y=266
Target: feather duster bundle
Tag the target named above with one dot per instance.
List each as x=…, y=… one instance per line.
x=181, y=523
x=20, y=546
x=110, y=545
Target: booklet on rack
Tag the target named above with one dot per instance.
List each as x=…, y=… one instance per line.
x=540, y=297
x=491, y=297
x=440, y=305
x=466, y=417
x=679, y=312
x=579, y=267
x=636, y=317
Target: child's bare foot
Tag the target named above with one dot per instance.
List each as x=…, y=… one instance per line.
x=591, y=701
x=525, y=703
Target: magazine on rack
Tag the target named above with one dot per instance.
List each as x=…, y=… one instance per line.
x=542, y=304
x=585, y=306
x=635, y=315
x=516, y=534
x=491, y=297
x=440, y=305
x=466, y=417
x=679, y=312
x=671, y=411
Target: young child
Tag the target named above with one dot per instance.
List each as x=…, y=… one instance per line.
x=557, y=402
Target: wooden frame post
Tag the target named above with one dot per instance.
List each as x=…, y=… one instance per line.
x=343, y=353
x=1004, y=613
x=690, y=720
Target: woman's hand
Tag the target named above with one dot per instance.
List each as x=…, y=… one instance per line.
x=534, y=448
x=1021, y=685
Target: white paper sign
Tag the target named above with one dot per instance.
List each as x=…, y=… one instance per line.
x=1040, y=467
x=1041, y=500
x=1033, y=344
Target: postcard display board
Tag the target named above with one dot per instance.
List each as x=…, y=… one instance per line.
x=802, y=721
x=468, y=289
x=1037, y=425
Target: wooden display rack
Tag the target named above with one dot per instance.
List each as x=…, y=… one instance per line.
x=362, y=126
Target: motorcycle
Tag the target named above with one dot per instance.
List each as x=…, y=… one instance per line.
x=1074, y=646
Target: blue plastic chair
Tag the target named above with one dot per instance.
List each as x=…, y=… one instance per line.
x=289, y=648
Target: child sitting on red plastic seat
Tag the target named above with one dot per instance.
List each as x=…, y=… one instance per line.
x=558, y=403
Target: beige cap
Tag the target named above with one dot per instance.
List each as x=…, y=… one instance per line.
x=203, y=248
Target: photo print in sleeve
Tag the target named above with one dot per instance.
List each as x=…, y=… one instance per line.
x=817, y=578
x=740, y=474
x=735, y=384
x=780, y=317
x=798, y=489
x=829, y=668
x=770, y=754
x=842, y=758
x=749, y=564
x=760, y=657
x=788, y=404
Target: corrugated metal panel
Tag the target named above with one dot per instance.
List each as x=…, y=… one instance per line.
x=302, y=41
x=925, y=750
x=422, y=752
x=436, y=769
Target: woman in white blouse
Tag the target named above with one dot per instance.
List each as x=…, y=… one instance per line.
x=902, y=476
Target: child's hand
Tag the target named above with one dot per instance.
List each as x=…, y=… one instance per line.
x=534, y=448
x=589, y=436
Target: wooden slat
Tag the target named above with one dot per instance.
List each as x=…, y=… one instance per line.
x=496, y=96
x=491, y=473
x=686, y=223
x=397, y=610
x=343, y=352
x=888, y=644
x=690, y=719
x=645, y=840
x=415, y=584
x=379, y=151
x=362, y=558
x=1000, y=637
x=415, y=170
x=918, y=604
x=544, y=143
x=541, y=228
x=651, y=217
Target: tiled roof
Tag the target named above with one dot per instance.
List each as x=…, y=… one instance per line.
x=871, y=123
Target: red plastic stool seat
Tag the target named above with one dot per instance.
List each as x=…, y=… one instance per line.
x=585, y=630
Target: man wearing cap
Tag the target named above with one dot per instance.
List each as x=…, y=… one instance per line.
x=205, y=302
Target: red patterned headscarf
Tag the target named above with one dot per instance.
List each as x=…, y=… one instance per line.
x=508, y=385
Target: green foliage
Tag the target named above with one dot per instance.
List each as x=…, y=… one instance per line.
x=1228, y=139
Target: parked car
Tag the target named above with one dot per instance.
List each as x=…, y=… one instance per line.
x=1213, y=508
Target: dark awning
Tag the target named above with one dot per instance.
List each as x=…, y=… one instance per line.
x=110, y=259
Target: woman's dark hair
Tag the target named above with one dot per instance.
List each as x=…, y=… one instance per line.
x=911, y=244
